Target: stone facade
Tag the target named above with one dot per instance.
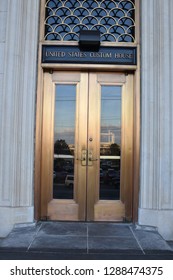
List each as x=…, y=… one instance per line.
x=156, y=183
x=18, y=64
x=19, y=25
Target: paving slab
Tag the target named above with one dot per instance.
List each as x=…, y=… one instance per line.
x=170, y=243
x=59, y=244
x=109, y=229
x=151, y=242
x=88, y=240
x=19, y=238
x=63, y=228
x=118, y=245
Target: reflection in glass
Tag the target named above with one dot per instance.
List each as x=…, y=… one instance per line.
x=64, y=139
x=110, y=142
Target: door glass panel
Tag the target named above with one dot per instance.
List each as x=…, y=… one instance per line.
x=64, y=141
x=110, y=142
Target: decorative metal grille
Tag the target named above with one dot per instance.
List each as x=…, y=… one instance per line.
x=114, y=19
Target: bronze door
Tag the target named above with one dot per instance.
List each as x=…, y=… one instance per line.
x=87, y=146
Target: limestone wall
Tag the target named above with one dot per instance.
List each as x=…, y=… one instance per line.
x=19, y=20
x=156, y=183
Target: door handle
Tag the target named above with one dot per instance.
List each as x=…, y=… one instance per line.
x=90, y=158
x=83, y=158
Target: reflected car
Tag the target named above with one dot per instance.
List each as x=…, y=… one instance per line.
x=101, y=175
x=69, y=169
x=60, y=176
x=69, y=180
x=112, y=176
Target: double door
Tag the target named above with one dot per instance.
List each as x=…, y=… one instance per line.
x=87, y=146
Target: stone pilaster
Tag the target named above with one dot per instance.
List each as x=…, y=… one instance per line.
x=156, y=186
x=17, y=120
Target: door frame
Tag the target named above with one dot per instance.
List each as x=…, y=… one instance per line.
x=75, y=209
x=113, y=68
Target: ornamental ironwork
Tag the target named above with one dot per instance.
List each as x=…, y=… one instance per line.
x=114, y=19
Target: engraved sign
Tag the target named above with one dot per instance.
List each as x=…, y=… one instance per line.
x=105, y=55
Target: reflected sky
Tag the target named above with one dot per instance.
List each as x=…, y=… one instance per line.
x=111, y=114
x=65, y=107
x=65, y=111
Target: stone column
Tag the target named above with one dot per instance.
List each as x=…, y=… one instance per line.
x=156, y=185
x=19, y=21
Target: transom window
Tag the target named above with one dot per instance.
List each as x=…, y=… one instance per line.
x=114, y=19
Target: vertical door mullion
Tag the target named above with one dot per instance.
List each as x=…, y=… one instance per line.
x=81, y=144
x=93, y=145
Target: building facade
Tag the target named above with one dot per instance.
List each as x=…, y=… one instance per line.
x=86, y=117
